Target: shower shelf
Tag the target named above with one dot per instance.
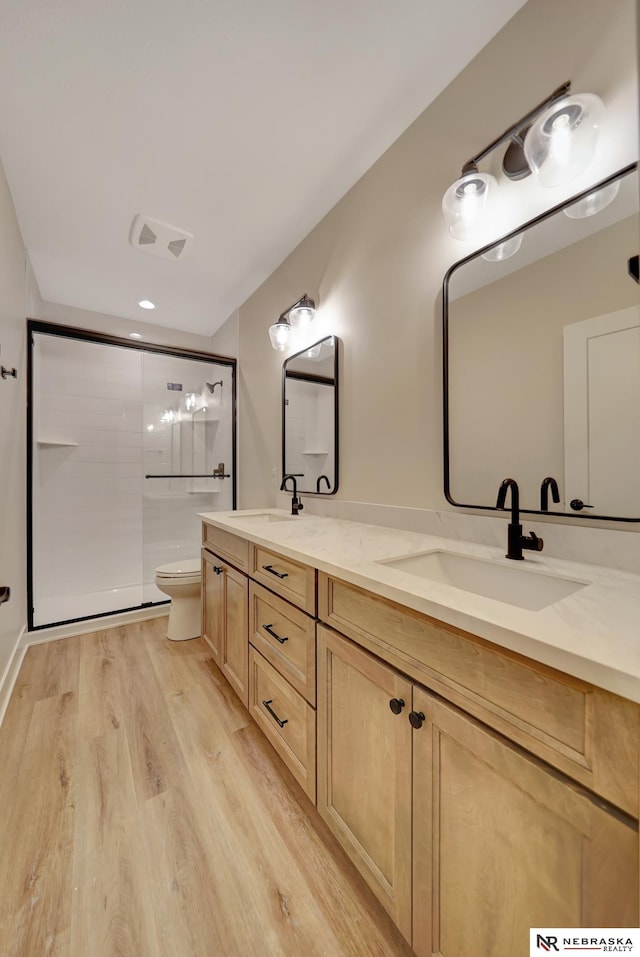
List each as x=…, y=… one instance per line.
x=56, y=442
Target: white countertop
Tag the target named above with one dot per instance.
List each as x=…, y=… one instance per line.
x=593, y=634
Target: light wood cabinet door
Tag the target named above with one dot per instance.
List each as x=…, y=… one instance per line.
x=212, y=603
x=502, y=844
x=234, y=659
x=364, y=767
x=225, y=620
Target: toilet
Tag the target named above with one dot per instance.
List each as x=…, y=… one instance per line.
x=181, y=581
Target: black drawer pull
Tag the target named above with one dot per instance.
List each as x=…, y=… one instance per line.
x=273, y=714
x=269, y=630
x=270, y=568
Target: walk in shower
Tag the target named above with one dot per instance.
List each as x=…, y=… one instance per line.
x=127, y=443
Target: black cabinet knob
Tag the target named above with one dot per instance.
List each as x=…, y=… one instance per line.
x=396, y=705
x=218, y=570
x=416, y=718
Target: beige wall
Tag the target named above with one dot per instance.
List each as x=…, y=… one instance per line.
x=377, y=261
x=14, y=301
x=116, y=326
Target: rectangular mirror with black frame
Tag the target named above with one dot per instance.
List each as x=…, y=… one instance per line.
x=310, y=417
x=542, y=362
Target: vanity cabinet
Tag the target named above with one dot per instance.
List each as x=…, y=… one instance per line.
x=590, y=735
x=478, y=792
x=225, y=592
x=466, y=839
x=262, y=633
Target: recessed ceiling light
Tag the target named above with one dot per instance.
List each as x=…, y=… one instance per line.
x=146, y=304
x=135, y=335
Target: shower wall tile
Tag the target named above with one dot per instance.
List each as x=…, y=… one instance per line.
x=98, y=524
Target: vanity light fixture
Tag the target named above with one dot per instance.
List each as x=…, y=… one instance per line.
x=297, y=316
x=555, y=140
x=190, y=401
x=168, y=416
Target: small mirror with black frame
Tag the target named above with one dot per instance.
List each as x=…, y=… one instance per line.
x=310, y=417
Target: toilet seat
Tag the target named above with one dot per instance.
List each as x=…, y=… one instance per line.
x=184, y=571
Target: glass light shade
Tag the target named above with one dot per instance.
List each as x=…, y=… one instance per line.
x=561, y=143
x=190, y=401
x=302, y=315
x=503, y=250
x=594, y=202
x=464, y=204
x=279, y=334
x=168, y=416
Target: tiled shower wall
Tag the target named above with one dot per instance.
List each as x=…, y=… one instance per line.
x=87, y=468
x=100, y=527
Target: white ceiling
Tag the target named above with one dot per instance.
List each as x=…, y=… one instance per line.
x=240, y=121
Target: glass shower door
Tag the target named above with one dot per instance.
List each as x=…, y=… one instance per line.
x=188, y=456
x=127, y=447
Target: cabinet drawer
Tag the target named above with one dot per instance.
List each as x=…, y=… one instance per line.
x=588, y=733
x=286, y=719
x=293, y=580
x=235, y=550
x=286, y=637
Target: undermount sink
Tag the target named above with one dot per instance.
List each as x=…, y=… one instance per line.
x=512, y=584
x=263, y=517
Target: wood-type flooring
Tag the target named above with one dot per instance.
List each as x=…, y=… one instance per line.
x=143, y=814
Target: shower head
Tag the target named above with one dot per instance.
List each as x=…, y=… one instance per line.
x=211, y=385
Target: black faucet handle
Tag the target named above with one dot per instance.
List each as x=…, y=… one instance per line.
x=533, y=543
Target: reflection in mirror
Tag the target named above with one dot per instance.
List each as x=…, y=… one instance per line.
x=310, y=417
x=542, y=364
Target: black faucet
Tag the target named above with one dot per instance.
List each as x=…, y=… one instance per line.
x=320, y=477
x=296, y=503
x=516, y=541
x=548, y=483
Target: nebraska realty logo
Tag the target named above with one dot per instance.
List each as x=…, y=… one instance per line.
x=583, y=940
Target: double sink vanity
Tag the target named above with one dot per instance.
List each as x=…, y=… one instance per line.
x=468, y=727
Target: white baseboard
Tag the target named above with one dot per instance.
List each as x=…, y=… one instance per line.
x=11, y=671
x=87, y=627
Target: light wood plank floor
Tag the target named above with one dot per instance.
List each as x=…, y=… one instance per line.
x=142, y=813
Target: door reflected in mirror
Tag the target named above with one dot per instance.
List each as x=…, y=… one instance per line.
x=310, y=417
x=542, y=364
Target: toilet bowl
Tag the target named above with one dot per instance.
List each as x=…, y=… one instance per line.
x=181, y=581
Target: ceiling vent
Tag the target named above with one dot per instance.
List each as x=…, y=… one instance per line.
x=159, y=239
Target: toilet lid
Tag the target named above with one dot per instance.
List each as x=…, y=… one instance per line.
x=189, y=566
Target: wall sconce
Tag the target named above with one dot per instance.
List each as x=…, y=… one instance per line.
x=297, y=316
x=556, y=141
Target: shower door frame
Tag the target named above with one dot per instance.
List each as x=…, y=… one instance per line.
x=102, y=338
